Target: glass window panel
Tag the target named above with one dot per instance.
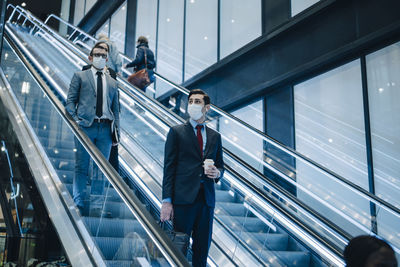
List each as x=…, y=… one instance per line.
x=383, y=68
x=104, y=29
x=201, y=35
x=170, y=43
x=146, y=21
x=79, y=11
x=300, y=5
x=240, y=24
x=329, y=122
x=89, y=5
x=117, y=27
x=253, y=115
x=329, y=129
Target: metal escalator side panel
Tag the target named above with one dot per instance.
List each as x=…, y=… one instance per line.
x=42, y=171
x=166, y=247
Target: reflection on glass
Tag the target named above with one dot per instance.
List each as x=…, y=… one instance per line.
x=329, y=129
x=117, y=27
x=79, y=11
x=383, y=67
x=146, y=21
x=240, y=24
x=201, y=38
x=104, y=29
x=170, y=42
x=299, y=5
x=240, y=137
x=89, y=4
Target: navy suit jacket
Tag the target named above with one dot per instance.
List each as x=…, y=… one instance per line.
x=183, y=165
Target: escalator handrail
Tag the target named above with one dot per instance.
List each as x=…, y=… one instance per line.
x=240, y=176
x=163, y=243
x=370, y=196
x=259, y=133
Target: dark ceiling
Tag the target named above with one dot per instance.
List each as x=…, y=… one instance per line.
x=40, y=8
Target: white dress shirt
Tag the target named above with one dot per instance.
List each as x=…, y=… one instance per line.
x=106, y=111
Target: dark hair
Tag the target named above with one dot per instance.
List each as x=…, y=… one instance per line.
x=142, y=40
x=200, y=92
x=369, y=251
x=97, y=45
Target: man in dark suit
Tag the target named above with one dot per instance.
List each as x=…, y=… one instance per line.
x=93, y=102
x=188, y=188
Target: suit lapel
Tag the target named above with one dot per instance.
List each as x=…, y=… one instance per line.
x=91, y=79
x=192, y=136
x=210, y=140
x=109, y=88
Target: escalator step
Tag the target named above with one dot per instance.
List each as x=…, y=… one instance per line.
x=113, y=227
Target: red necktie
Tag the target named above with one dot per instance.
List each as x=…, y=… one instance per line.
x=200, y=139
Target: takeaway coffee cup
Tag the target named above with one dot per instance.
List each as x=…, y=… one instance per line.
x=208, y=163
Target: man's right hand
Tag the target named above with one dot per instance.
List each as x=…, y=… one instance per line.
x=167, y=212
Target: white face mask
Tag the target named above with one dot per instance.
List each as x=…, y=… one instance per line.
x=99, y=62
x=194, y=111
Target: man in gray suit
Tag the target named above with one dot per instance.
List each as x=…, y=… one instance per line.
x=93, y=103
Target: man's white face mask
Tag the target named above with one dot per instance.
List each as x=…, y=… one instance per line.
x=194, y=111
x=99, y=62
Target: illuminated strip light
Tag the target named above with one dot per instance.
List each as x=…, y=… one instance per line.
x=289, y=225
x=322, y=201
x=69, y=56
x=37, y=65
x=143, y=120
x=149, y=114
x=140, y=183
x=304, y=212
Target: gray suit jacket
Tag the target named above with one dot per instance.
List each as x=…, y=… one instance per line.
x=81, y=99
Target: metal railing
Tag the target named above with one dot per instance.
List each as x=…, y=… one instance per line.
x=162, y=242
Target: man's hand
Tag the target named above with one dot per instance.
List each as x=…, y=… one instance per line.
x=212, y=172
x=114, y=144
x=167, y=212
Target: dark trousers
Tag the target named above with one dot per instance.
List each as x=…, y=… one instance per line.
x=196, y=219
x=113, y=159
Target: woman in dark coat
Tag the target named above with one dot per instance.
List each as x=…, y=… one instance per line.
x=139, y=62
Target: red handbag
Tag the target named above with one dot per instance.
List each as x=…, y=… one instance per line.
x=140, y=78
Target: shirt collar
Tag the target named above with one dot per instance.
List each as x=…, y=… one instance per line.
x=94, y=70
x=194, y=123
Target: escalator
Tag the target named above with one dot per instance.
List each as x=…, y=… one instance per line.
x=255, y=221
x=119, y=236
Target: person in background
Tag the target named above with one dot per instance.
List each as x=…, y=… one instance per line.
x=193, y=163
x=92, y=101
x=369, y=251
x=139, y=62
x=114, y=60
